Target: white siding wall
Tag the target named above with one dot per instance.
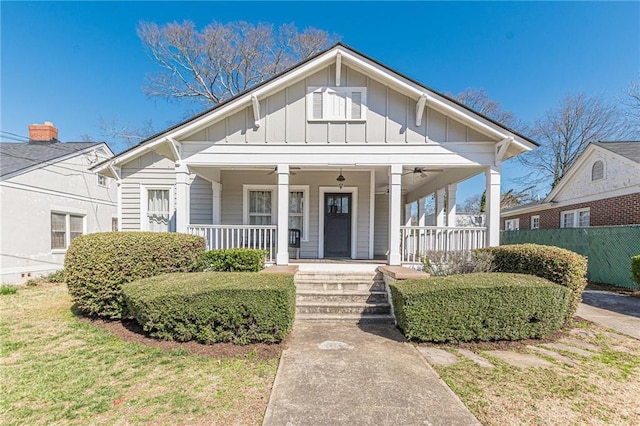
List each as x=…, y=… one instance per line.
x=27, y=203
x=201, y=198
x=149, y=169
x=232, y=199
x=391, y=118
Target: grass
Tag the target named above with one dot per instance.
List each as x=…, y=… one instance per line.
x=58, y=369
x=601, y=389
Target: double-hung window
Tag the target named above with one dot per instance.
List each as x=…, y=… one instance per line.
x=296, y=210
x=512, y=224
x=535, y=222
x=575, y=218
x=64, y=228
x=336, y=103
x=260, y=207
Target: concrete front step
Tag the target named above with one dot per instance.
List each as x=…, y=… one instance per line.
x=337, y=276
x=342, y=296
x=342, y=308
x=347, y=318
x=304, y=285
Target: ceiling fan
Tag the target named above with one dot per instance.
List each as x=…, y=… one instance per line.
x=291, y=172
x=422, y=171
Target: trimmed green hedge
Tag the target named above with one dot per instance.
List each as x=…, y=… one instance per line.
x=635, y=268
x=482, y=306
x=96, y=265
x=555, y=264
x=209, y=307
x=235, y=259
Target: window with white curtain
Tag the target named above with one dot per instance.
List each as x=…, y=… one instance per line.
x=158, y=210
x=336, y=103
x=512, y=225
x=597, y=170
x=260, y=207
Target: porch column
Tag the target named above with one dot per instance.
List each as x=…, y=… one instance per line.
x=492, y=175
x=282, y=254
x=451, y=205
x=395, y=213
x=182, y=197
x=216, y=188
x=422, y=213
x=440, y=216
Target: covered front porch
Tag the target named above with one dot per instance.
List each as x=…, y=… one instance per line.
x=342, y=211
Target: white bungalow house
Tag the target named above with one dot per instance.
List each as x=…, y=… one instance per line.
x=335, y=147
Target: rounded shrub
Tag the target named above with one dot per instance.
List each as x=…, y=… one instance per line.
x=234, y=259
x=555, y=264
x=479, y=307
x=635, y=268
x=96, y=265
x=210, y=307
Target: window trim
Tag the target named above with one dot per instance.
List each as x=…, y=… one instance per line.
x=274, y=202
x=106, y=181
x=535, y=216
x=67, y=227
x=576, y=217
x=341, y=89
x=516, y=221
x=144, y=205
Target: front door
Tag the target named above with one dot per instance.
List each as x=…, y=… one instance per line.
x=337, y=225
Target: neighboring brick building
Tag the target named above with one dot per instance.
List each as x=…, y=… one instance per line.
x=601, y=189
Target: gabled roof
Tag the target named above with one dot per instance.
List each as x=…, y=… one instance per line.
x=20, y=157
x=629, y=149
x=323, y=57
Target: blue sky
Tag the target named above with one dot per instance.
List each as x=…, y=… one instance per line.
x=75, y=62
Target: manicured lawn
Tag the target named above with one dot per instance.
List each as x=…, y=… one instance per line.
x=599, y=389
x=56, y=368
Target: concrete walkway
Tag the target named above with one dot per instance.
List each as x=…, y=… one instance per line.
x=613, y=310
x=344, y=374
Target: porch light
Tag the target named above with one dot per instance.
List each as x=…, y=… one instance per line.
x=340, y=179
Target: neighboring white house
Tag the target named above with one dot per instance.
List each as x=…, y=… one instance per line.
x=602, y=188
x=336, y=147
x=48, y=197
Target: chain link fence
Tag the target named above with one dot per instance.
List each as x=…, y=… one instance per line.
x=608, y=248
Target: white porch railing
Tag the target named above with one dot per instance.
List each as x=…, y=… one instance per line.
x=416, y=240
x=235, y=236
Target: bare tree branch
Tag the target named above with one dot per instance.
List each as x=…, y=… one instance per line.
x=565, y=132
x=222, y=60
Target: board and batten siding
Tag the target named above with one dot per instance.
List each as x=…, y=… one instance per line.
x=390, y=118
x=232, y=201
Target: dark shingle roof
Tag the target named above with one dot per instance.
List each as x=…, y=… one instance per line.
x=19, y=156
x=630, y=149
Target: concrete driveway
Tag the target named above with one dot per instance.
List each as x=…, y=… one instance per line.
x=613, y=310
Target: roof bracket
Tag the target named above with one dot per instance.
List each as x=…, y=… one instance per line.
x=115, y=170
x=338, y=67
x=256, y=110
x=175, y=148
x=422, y=101
x=501, y=149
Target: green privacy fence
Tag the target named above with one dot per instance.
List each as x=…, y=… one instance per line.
x=608, y=248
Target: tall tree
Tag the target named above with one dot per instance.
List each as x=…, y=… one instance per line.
x=221, y=60
x=631, y=101
x=564, y=132
x=479, y=101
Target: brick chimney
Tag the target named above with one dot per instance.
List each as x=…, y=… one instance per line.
x=46, y=132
